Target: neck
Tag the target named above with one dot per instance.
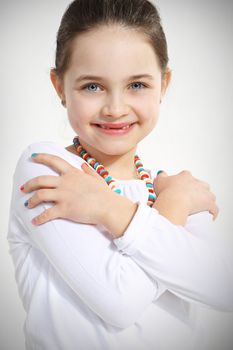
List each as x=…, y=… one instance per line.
x=123, y=169
x=119, y=166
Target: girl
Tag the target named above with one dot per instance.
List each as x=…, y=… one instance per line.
x=107, y=254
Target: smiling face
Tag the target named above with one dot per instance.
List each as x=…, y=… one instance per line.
x=112, y=88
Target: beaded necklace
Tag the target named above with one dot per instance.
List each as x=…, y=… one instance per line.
x=99, y=168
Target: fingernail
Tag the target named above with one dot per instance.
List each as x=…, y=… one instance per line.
x=21, y=188
x=26, y=203
x=159, y=172
x=34, y=155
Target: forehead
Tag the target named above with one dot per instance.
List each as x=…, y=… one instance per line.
x=113, y=48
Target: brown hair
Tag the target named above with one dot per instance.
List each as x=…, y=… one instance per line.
x=85, y=15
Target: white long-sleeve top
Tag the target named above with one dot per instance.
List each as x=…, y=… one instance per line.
x=84, y=291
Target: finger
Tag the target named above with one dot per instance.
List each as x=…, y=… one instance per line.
x=204, y=184
x=40, y=196
x=213, y=197
x=43, y=181
x=58, y=164
x=186, y=172
x=161, y=173
x=214, y=211
x=159, y=176
x=47, y=215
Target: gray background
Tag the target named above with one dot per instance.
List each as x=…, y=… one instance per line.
x=193, y=132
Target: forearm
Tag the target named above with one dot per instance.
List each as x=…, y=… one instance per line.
x=122, y=210
x=191, y=267
x=105, y=280
x=117, y=213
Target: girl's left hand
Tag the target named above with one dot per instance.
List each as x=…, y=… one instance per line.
x=78, y=195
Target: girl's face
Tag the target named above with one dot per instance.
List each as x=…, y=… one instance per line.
x=112, y=90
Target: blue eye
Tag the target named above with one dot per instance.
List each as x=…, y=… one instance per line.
x=92, y=87
x=138, y=84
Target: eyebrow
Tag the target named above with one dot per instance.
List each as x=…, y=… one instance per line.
x=94, y=77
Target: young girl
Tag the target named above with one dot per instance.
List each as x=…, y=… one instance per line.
x=107, y=253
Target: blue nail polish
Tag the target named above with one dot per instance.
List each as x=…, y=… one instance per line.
x=26, y=203
x=159, y=172
x=34, y=155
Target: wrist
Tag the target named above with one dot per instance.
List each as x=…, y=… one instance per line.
x=116, y=214
x=174, y=206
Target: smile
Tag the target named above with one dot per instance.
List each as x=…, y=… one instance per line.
x=115, y=129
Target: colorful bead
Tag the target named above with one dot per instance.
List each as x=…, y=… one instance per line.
x=149, y=185
x=103, y=172
x=151, y=196
x=138, y=162
x=95, y=165
x=99, y=168
x=82, y=153
x=112, y=185
x=142, y=174
x=86, y=156
x=108, y=178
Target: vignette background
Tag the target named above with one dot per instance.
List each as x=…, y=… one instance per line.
x=194, y=131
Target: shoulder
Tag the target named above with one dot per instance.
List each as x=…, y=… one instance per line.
x=44, y=147
x=26, y=168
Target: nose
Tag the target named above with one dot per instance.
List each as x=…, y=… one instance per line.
x=115, y=106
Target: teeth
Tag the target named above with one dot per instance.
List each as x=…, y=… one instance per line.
x=105, y=127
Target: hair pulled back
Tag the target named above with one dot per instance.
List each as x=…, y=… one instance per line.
x=85, y=15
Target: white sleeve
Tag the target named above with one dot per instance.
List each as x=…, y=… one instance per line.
x=186, y=260
x=109, y=282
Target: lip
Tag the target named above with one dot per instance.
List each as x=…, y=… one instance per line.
x=115, y=125
x=115, y=129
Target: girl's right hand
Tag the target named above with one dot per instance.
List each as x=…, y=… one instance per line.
x=185, y=188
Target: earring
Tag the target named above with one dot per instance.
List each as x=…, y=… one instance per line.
x=63, y=102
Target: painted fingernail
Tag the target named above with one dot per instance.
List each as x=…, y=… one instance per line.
x=21, y=188
x=34, y=155
x=26, y=203
x=159, y=172
x=33, y=221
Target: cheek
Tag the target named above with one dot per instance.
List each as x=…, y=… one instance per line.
x=81, y=109
x=148, y=107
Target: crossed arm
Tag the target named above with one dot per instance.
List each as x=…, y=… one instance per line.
x=129, y=272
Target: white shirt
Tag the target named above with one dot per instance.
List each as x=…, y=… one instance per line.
x=84, y=291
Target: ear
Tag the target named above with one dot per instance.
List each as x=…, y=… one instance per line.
x=166, y=79
x=58, y=84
